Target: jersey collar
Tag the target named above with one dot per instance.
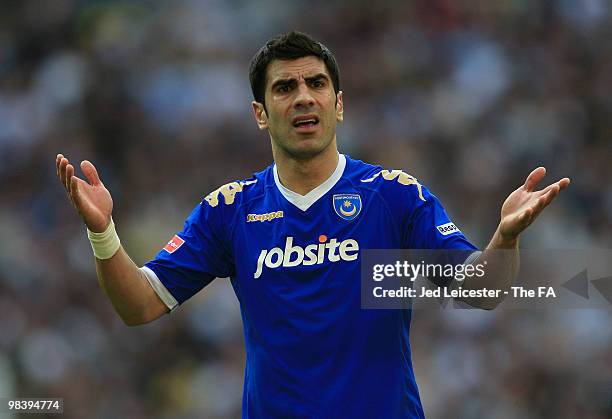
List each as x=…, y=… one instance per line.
x=304, y=202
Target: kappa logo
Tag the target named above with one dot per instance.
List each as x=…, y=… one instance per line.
x=265, y=217
x=174, y=244
x=448, y=228
x=347, y=206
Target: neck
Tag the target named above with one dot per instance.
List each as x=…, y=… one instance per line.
x=303, y=175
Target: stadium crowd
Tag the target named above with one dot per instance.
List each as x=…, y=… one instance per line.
x=466, y=96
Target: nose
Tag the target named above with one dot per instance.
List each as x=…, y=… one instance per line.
x=303, y=98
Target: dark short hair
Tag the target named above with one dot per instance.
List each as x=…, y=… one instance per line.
x=289, y=46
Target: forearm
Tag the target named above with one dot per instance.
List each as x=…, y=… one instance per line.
x=501, y=264
x=128, y=290
x=123, y=282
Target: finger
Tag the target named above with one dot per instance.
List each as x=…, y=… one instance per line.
x=534, y=178
x=525, y=217
x=58, y=159
x=62, y=170
x=74, y=191
x=90, y=173
x=561, y=184
x=546, y=189
x=553, y=189
x=69, y=174
x=564, y=183
x=544, y=200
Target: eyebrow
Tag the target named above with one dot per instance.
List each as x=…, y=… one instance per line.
x=289, y=80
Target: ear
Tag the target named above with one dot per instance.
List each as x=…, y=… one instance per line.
x=260, y=115
x=339, y=107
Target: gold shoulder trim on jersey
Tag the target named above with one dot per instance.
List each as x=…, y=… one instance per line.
x=402, y=178
x=229, y=191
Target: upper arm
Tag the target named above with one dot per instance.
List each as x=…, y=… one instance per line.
x=154, y=310
x=157, y=304
x=192, y=259
x=439, y=242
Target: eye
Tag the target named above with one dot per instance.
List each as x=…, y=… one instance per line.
x=317, y=84
x=283, y=88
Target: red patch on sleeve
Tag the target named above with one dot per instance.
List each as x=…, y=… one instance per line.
x=174, y=244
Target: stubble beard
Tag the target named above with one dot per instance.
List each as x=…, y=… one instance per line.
x=297, y=153
x=291, y=147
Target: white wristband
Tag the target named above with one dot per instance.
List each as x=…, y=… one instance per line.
x=104, y=244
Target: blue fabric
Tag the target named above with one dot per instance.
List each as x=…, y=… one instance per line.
x=311, y=351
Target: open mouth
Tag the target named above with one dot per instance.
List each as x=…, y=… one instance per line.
x=305, y=122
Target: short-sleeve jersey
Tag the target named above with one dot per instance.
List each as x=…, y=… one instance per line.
x=294, y=264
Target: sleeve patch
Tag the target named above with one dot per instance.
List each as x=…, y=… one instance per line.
x=448, y=228
x=174, y=244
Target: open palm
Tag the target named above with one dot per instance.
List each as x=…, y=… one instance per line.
x=92, y=200
x=523, y=205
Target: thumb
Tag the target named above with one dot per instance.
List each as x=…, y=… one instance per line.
x=534, y=178
x=90, y=172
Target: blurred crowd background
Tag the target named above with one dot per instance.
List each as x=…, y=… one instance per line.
x=468, y=96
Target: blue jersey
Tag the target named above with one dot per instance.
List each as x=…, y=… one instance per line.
x=294, y=264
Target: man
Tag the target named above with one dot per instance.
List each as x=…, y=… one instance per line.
x=290, y=239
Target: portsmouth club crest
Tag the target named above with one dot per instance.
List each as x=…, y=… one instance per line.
x=347, y=206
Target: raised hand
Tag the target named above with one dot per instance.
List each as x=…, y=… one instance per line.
x=92, y=200
x=524, y=205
